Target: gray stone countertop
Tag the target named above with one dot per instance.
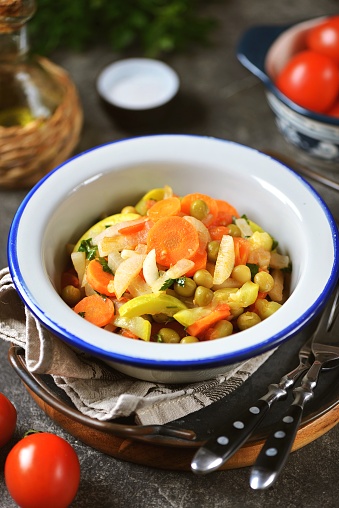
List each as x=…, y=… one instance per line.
x=222, y=99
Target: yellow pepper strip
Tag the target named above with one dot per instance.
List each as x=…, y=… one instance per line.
x=154, y=303
x=156, y=194
x=187, y=317
x=261, y=240
x=137, y=325
x=255, y=227
x=244, y=296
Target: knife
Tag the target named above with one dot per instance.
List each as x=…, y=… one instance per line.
x=218, y=449
x=274, y=454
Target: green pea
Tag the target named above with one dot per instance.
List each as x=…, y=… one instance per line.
x=247, y=320
x=266, y=308
x=199, y=209
x=189, y=339
x=202, y=296
x=161, y=318
x=241, y=273
x=222, y=328
x=71, y=295
x=203, y=278
x=186, y=287
x=233, y=230
x=265, y=281
x=236, y=310
x=212, y=250
x=168, y=336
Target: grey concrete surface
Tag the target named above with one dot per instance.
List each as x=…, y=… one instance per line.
x=221, y=99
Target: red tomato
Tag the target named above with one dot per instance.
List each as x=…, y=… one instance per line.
x=42, y=470
x=324, y=38
x=310, y=80
x=7, y=419
x=334, y=111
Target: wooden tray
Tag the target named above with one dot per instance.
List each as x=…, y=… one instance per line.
x=172, y=446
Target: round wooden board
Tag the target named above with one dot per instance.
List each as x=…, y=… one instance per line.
x=161, y=451
x=178, y=458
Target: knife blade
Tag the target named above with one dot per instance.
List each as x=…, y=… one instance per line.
x=218, y=449
x=275, y=452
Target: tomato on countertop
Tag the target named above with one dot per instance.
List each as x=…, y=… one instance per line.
x=324, y=38
x=311, y=80
x=42, y=470
x=334, y=111
x=8, y=417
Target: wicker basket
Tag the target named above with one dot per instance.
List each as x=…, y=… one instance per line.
x=28, y=153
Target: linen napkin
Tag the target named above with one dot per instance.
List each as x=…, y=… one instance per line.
x=96, y=389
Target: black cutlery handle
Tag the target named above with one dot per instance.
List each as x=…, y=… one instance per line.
x=217, y=450
x=276, y=449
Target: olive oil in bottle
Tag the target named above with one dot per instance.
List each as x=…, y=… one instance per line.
x=27, y=90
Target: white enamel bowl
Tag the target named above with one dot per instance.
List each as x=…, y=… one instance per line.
x=105, y=179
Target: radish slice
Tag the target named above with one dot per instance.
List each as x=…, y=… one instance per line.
x=149, y=268
x=245, y=228
x=225, y=260
x=79, y=263
x=203, y=233
x=126, y=272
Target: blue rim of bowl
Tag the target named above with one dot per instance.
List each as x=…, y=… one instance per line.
x=195, y=364
x=252, y=50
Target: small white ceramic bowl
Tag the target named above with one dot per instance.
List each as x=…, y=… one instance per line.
x=105, y=179
x=265, y=50
x=137, y=92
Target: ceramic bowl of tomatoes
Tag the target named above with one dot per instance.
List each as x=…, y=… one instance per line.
x=173, y=257
x=299, y=66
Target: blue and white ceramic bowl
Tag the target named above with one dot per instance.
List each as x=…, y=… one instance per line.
x=264, y=50
x=105, y=179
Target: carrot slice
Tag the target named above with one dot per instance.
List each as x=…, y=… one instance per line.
x=164, y=208
x=217, y=232
x=225, y=207
x=222, y=219
x=173, y=238
x=211, y=203
x=97, y=278
x=133, y=228
x=241, y=250
x=225, y=214
x=197, y=329
x=199, y=259
x=95, y=309
x=127, y=333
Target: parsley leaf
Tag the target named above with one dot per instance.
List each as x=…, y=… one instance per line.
x=274, y=244
x=287, y=269
x=87, y=247
x=254, y=269
x=105, y=266
x=169, y=282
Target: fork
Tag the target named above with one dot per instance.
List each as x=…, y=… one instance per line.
x=217, y=450
x=274, y=454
